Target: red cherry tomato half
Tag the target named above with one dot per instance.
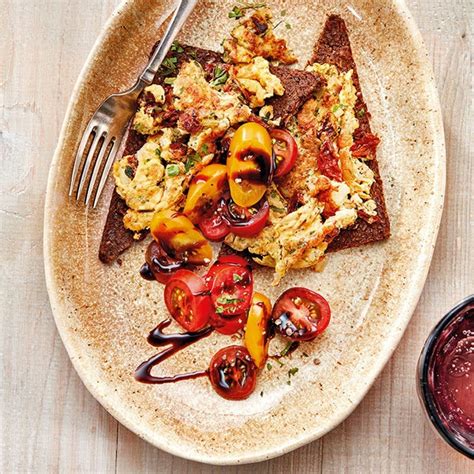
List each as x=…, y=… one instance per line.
x=301, y=314
x=188, y=301
x=159, y=263
x=233, y=373
x=286, y=151
x=231, y=290
x=228, y=326
x=214, y=227
x=246, y=222
x=222, y=261
x=328, y=162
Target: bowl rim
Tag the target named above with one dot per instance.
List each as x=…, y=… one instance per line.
x=425, y=394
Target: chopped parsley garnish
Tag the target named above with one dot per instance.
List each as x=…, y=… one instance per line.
x=169, y=65
x=226, y=299
x=237, y=278
x=337, y=107
x=219, y=309
x=220, y=76
x=204, y=150
x=292, y=371
x=191, y=161
x=277, y=209
x=158, y=152
x=176, y=47
x=287, y=26
x=289, y=348
x=129, y=172
x=172, y=170
x=169, y=80
x=360, y=112
x=283, y=13
x=239, y=11
x=269, y=366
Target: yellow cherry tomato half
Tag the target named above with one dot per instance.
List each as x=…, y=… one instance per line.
x=178, y=236
x=256, y=331
x=205, y=190
x=249, y=164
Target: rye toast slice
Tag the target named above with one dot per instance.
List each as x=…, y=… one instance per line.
x=333, y=47
x=299, y=86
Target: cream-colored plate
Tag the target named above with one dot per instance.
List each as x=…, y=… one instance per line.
x=104, y=313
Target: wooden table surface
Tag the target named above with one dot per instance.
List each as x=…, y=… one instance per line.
x=49, y=422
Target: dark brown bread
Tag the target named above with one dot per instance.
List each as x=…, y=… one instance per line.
x=299, y=86
x=333, y=47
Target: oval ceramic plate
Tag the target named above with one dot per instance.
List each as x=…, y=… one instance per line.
x=104, y=313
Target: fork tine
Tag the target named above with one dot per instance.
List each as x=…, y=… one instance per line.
x=90, y=155
x=80, y=152
x=105, y=172
x=97, y=166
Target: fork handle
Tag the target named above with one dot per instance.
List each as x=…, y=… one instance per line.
x=181, y=14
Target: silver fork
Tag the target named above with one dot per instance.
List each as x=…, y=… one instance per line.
x=104, y=133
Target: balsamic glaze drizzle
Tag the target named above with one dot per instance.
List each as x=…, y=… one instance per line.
x=176, y=342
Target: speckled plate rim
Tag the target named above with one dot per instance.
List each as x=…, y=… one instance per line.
x=412, y=296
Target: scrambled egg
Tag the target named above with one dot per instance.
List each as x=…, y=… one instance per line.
x=299, y=239
x=254, y=36
x=215, y=111
x=147, y=119
x=145, y=187
x=256, y=81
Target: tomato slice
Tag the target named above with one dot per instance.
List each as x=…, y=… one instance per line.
x=245, y=222
x=286, y=151
x=180, y=238
x=365, y=146
x=258, y=329
x=214, y=227
x=221, y=262
x=301, y=314
x=228, y=326
x=188, y=301
x=250, y=164
x=159, y=263
x=232, y=373
x=205, y=190
x=328, y=162
x=231, y=290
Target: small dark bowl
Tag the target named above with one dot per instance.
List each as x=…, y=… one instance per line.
x=424, y=392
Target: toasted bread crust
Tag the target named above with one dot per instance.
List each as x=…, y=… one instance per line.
x=333, y=47
x=299, y=86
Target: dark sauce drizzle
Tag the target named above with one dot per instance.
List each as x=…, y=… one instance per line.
x=176, y=342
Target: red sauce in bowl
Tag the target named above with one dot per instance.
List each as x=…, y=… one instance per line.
x=447, y=377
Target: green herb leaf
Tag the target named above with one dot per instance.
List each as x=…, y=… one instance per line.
x=236, y=13
x=204, y=150
x=283, y=13
x=361, y=112
x=172, y=170
x=226, y=299
x=220, y=76
x=169, y=80
x=176, y=47
x=158, y=152
x=287, y=26
x=277, y=209
x=219, y=309
x=269, y=366
x=288, y=348
x=191, y=161
x=169, y=65
x=129, y=172
x=292, y=371
x=237, y=278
